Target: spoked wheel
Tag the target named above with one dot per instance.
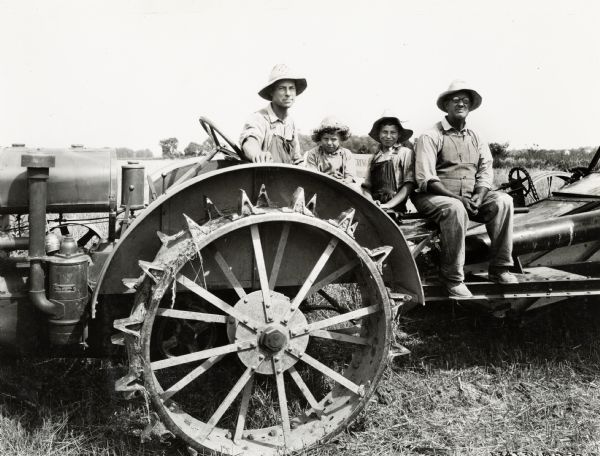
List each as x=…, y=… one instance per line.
x=85, y=235
x=287, y=372
x=546, y=183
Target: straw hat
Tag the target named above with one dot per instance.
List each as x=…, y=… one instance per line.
x=389, y=118
x=280, y=72
x=459, y=86
x=331, y=124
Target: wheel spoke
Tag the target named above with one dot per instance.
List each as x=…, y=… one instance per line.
x=322, y=324
x=203, y=354
x=237, y=388
x=262, y=272
x=241, y=421
x=283, y=407
x=279, y=255
x=228, y=273
x=340, y=337
x=303, y=387
x=338, y=378
x=188, y=315
x=310, y=280
x=333, y=276
x=193, y=375
x=215, y=301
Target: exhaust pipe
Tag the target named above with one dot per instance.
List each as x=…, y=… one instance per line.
x=38, y=169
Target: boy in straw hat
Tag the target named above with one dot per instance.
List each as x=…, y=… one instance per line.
x=329, y=157
x=453, y=168
x=390, y=177
x=270, y=133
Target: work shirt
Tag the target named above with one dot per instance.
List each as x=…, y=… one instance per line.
x=458, y=159
x=403, y=163
x=279, y=137
x=341, y=161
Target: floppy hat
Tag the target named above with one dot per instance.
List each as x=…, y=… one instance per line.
x=389, y=117
x=279, y=73
x=331, y=123
x=459, y=86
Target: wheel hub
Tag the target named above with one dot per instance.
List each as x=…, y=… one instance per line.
x=273, y=337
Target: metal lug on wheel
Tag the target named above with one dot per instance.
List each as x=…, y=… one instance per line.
x=344, y=220
x=211, y=211
x=298, y=204
x=379, y=255
x=351, y=229
x=197, y=231
x=245, y=207
x=263, y=198
x=148, y=269
x=312, y=205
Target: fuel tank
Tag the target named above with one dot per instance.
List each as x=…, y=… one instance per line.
x=82, y=180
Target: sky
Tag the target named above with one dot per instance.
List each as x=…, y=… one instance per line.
x=130, y=73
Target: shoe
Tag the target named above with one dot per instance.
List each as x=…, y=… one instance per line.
x=502, y=275
x=458, y=291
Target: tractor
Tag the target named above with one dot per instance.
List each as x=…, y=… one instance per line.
x=254, y=303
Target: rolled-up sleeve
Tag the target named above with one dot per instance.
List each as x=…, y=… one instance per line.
x=407, y=166
x=485, y=173
x=255, y=127
x=425, y=161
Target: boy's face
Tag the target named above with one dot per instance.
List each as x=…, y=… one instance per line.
x=330, y=142
x=388, y=135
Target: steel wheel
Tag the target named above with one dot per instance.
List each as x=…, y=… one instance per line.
x=291, y=369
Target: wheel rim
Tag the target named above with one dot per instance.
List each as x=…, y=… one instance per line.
x=301, y=375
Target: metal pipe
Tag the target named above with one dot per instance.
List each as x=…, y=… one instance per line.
x=14, y=243
x=38, y=170
x=545, y=235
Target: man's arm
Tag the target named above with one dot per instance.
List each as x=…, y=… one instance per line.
x=254, y=153
x=400, y=197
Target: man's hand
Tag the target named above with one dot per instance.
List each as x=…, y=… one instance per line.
x=471, y=207
x=262, y=157
x=477, y=199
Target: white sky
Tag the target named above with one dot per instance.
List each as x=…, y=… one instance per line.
x=129, y=73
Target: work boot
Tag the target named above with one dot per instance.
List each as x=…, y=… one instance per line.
x=501, y=275
x=458, y=290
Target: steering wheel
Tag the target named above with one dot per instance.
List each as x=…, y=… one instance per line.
x=215, y=133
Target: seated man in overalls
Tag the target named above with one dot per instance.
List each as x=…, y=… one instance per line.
x=453, y=169
x=390, y=170
x=270, y=135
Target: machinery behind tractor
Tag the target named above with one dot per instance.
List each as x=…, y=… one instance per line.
x=255, y=301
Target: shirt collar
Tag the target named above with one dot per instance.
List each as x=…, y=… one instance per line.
x=446, y=126
x=272, y=116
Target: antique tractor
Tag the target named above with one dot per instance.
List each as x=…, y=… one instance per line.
x=255, y=302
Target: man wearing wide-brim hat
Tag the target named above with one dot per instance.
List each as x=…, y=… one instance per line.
x=270, y=133
x=453, y=169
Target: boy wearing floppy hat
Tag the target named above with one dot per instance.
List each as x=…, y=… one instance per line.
x=453, y=169
x=390, y=178
x=270, y=133
x=329, y=157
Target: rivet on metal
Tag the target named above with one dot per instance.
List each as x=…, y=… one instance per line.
x=272, y=432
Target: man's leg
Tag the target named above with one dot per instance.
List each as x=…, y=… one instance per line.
x=500, y=229
x=451, y=216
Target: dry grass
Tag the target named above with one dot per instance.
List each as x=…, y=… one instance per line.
x=472, y=385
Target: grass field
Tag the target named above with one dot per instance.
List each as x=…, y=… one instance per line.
x=472, y=386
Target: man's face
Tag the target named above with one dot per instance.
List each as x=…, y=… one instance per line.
x=388, y=135
x=284, y=93
x=458, y=105
x=330, y=142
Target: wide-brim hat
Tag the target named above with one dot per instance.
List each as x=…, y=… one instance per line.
x=389, y=118
x=332, y=124
x=459, y=86
x=279, y=73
